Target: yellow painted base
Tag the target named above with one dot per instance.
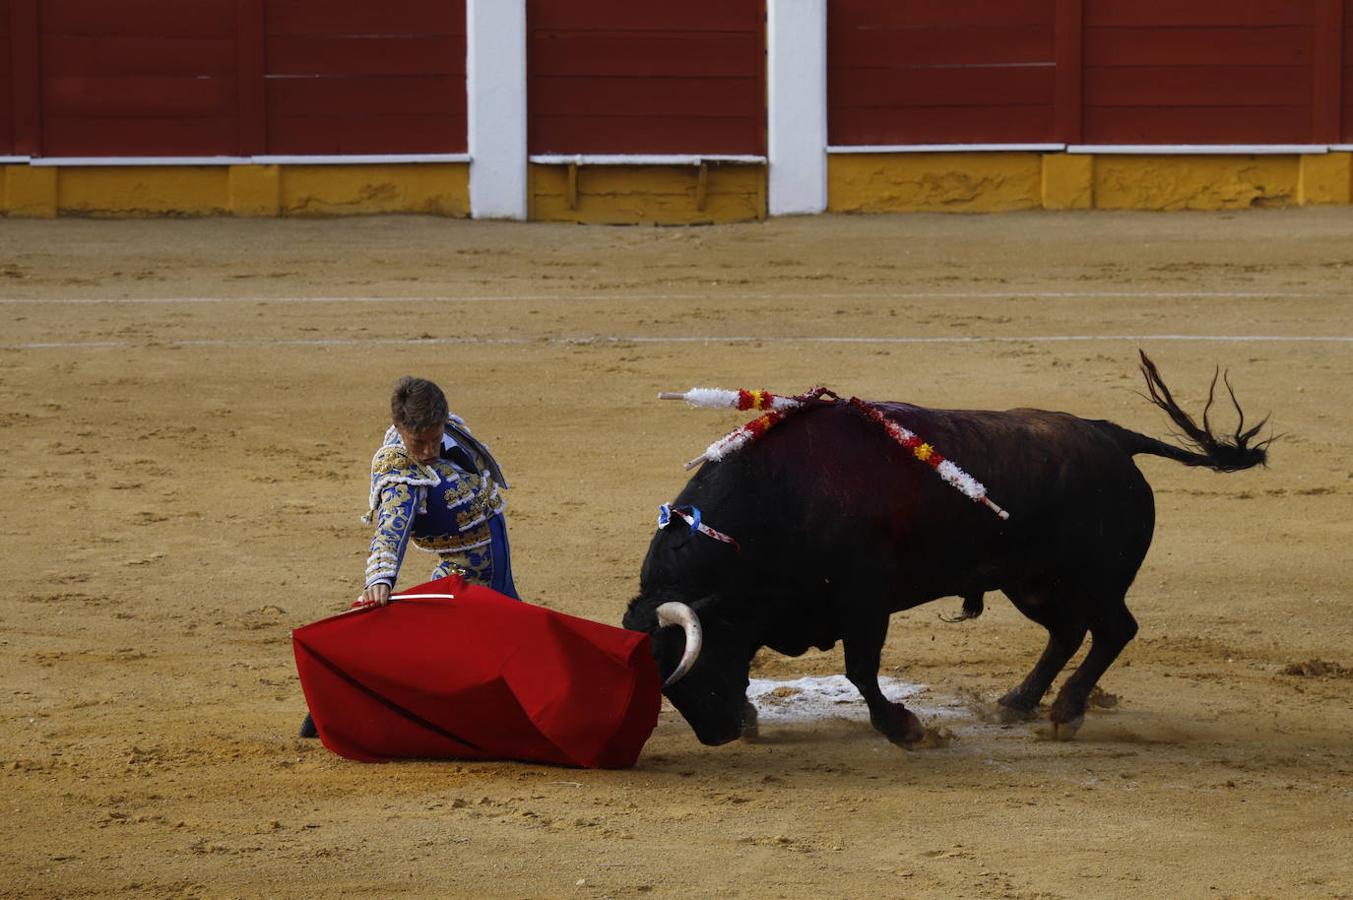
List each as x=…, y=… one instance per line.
x=657, y=195
x=251, y=190
x=933, y=182
x=679, y=195
x=1195, y=182
x=1326, y=178
x=993, y=182
x=434, y=189
x=28, y=192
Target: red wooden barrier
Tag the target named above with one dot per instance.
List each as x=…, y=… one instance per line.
x=6, y=83
x=231, y=77
x=617, y=76
x=246, y=77
x=1201, y=72
x=138, y=77
x=1344, y=86
x=353, y=76
x=24, y=77
x=928, y=71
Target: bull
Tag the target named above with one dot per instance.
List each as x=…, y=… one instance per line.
x=837, y=527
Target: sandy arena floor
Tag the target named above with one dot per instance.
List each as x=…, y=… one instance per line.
x=188, y=408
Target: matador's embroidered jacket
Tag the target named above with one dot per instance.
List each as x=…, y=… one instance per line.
x=451, y=507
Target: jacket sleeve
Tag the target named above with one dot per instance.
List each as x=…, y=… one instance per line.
x=394, y=524
x=398, y=485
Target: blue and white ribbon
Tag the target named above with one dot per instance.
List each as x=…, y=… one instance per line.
x=691, y=516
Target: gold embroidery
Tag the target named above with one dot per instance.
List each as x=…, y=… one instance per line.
x=454, y=542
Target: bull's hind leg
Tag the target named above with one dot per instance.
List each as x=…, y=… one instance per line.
x=1111, y=628
x=863, y=645
x=1066, y=632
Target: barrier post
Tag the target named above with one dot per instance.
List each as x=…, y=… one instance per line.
x=796, y=85
x=496, y=86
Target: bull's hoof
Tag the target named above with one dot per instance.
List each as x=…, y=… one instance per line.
x=308, y=729
x=899, y=725
x=1009, y=711
x=750, y=729
x=1066, y=731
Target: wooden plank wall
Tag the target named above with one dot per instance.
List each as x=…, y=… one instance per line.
x=138, y=77
x=244, y=77
x=1090, y=71
x=641, y=76
x=1346, y=67
x=231, y=77
x=940, y=71
x=1200, y=71
x=6, y=83
x=355, y=76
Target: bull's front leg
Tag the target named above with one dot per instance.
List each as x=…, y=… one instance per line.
x=863, y=643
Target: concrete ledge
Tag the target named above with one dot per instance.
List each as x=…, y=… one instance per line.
x=1326, y=178
x=255, y=190
x=242, y=190
x=1195, y=182
x=26, y=192
x=1068, y=181
x=882, y=182
x=439, y=190
x=998, y=181
x=647, y=194
x=934, y=182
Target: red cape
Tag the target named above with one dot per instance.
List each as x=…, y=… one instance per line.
x=480, y=676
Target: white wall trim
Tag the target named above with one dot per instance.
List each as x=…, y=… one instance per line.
x=297, y=160
x=1198, y=149
x=796, y=88
x=946, y=148
x=1340, y=148
x=495, y=82
x=75, y=161
x=14, y=160
x=362, y=159
x=642, y=159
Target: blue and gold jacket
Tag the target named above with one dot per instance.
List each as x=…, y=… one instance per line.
x=444, y=507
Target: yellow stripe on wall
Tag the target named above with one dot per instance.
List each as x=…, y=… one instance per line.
x=997, y=181
x=248, y=190
x=673, y=195
x=647, y=194
x=933, y=182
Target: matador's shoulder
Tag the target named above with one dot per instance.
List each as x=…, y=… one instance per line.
x=393, y=459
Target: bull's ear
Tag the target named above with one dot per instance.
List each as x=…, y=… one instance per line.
x=709, y=608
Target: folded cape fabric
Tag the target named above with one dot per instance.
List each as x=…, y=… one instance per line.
x=477, y=676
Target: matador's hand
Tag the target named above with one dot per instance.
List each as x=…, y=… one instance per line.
x=377, y=594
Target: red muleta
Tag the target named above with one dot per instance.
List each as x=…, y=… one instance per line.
x=476, y=675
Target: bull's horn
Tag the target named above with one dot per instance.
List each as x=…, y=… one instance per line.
x=673, y=613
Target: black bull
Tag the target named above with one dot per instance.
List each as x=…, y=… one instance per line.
x=839, y=527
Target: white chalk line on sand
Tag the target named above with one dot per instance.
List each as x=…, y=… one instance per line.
x=713, y=295
x=621, y=340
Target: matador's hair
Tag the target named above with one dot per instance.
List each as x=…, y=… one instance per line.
x=417, y=404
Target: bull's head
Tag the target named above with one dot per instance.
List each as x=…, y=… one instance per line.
x=704, y=668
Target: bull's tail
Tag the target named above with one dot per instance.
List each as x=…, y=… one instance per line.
x=1204, y=448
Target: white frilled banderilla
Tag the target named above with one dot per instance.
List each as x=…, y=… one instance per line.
x=777, y=407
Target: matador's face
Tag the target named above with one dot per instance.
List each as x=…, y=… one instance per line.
x=424, y=445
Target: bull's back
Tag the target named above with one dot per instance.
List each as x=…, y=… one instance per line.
x=855, y=498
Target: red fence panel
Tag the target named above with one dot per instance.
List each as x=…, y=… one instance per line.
x=1200, y=72
x=622, y=76
x=244, y=77
x=6, y=83
x=1345, y=84
x=353, y=76
x=138, y=78
x=933, y=72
